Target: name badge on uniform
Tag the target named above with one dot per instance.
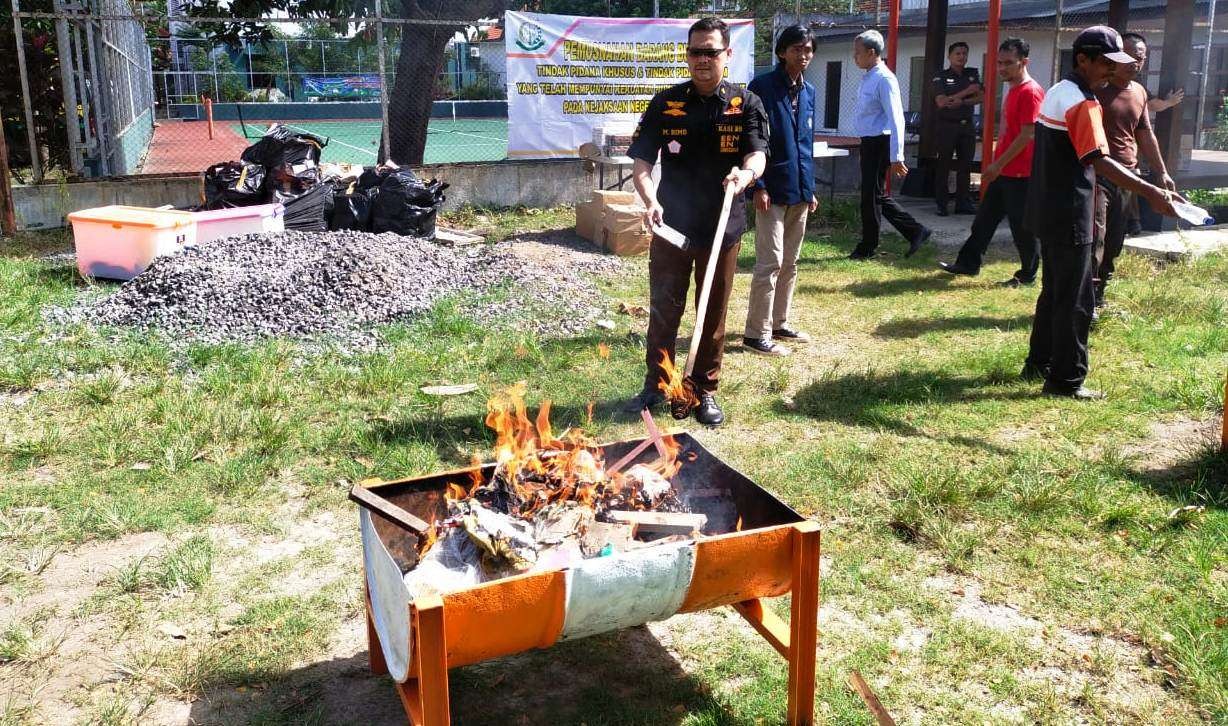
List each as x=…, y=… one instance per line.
x=674, y=147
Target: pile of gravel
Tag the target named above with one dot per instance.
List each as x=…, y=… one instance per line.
x=338, y=285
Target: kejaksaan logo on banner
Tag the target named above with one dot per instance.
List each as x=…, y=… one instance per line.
x=567, y=75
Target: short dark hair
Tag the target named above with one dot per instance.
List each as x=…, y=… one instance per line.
x=1133, y=36
x=707, y=25
x=1018, y=46
x=791, y=36
x=957, y=44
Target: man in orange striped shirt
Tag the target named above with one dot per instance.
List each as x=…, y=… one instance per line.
x=1070, y=151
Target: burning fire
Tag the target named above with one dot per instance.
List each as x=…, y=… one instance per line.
x=551, y=500
x=673, y=384
x=534, y=467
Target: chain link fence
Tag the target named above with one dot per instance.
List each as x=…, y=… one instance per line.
x=160, y=92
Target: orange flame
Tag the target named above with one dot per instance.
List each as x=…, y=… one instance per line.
x=540, y=467
x=672, y=383
x=738, y=527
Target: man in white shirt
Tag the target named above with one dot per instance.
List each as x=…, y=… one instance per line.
x=879, y=119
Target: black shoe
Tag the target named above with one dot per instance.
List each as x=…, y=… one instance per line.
x=791, y=334
x=648, y=398
x=1016, y=282
x=942, y=210
x=764, y=346
x=1033, y=372
x=956, y=269
x=708, y=412
x=1079, y=394
x=965, y=209
x=862, y=255
x=916, y=244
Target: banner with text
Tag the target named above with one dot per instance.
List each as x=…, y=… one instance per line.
x=568, y=75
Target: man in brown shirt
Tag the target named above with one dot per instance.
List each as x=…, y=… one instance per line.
x=1129, y=134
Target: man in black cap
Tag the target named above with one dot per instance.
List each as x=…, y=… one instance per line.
x=702, y=129
x=957, y=91
x=1071, y=150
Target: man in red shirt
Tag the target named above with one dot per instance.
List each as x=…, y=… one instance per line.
x=1007, y=177
x=1129, y=134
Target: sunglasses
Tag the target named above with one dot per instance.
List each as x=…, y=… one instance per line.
x=705, y=52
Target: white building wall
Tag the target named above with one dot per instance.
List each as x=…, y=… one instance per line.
x=910, y=47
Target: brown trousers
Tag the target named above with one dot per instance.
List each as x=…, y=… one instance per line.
x=669, y=277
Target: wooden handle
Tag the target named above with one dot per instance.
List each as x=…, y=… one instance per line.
x=372, y=501
x=702, y=313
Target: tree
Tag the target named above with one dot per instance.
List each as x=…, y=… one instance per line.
x=419, y=63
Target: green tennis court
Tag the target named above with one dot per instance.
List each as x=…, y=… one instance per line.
x=357, y=141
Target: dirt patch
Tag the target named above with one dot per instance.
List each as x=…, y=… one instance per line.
x=1171, y=443
x=70, y=652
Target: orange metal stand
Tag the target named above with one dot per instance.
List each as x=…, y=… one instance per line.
x=425, y=693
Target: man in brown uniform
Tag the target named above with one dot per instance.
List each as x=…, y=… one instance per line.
x=1129, y=133
x=702, y=129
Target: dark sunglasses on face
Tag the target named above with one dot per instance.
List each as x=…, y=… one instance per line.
x=705, y=52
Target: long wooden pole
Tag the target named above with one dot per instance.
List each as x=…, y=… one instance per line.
x=989, y=104
x=8, y=217
x=893, y=42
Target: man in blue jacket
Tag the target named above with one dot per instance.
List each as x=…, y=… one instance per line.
x=785, y=195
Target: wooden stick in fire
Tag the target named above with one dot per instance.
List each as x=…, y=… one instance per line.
x=681, y=410
x=654, y=438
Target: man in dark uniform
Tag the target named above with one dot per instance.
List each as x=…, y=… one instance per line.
x=702, y=129
x=957, y=91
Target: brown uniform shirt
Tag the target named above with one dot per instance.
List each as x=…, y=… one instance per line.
x=1125, y=113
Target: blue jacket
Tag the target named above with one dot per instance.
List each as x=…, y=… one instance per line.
x=789, y=178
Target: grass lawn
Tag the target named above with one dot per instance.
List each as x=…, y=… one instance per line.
x=178, y=545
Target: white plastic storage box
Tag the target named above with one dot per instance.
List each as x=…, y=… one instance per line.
x=119, y=242
x=217, y=223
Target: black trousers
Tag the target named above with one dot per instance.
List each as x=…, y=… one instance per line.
x=875, y=203
x=1063, y=314
x=1112, y=217
x=1005, y=197
x=952, y=137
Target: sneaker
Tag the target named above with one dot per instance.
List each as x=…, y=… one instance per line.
x=650, y=399
x=791, y=334
x=862, y=255
x=709, y=412
x=764, y=346
x=942, y=210
x=1016, y=282
x=1079, y=394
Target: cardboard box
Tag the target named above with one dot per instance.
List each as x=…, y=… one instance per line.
x=605, y=198
x=588, y=221
x=623, y=231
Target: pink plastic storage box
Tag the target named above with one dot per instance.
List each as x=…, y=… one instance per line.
x=119, y=242
x=217, y=223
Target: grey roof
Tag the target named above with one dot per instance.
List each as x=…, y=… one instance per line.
x=1017, y=13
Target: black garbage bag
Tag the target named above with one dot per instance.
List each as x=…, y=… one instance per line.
x=371, y=177
x=352, y=209
x=285, y=146
x=407, y=205
x=233, y=184
x=287, y=181
x=308, y=211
